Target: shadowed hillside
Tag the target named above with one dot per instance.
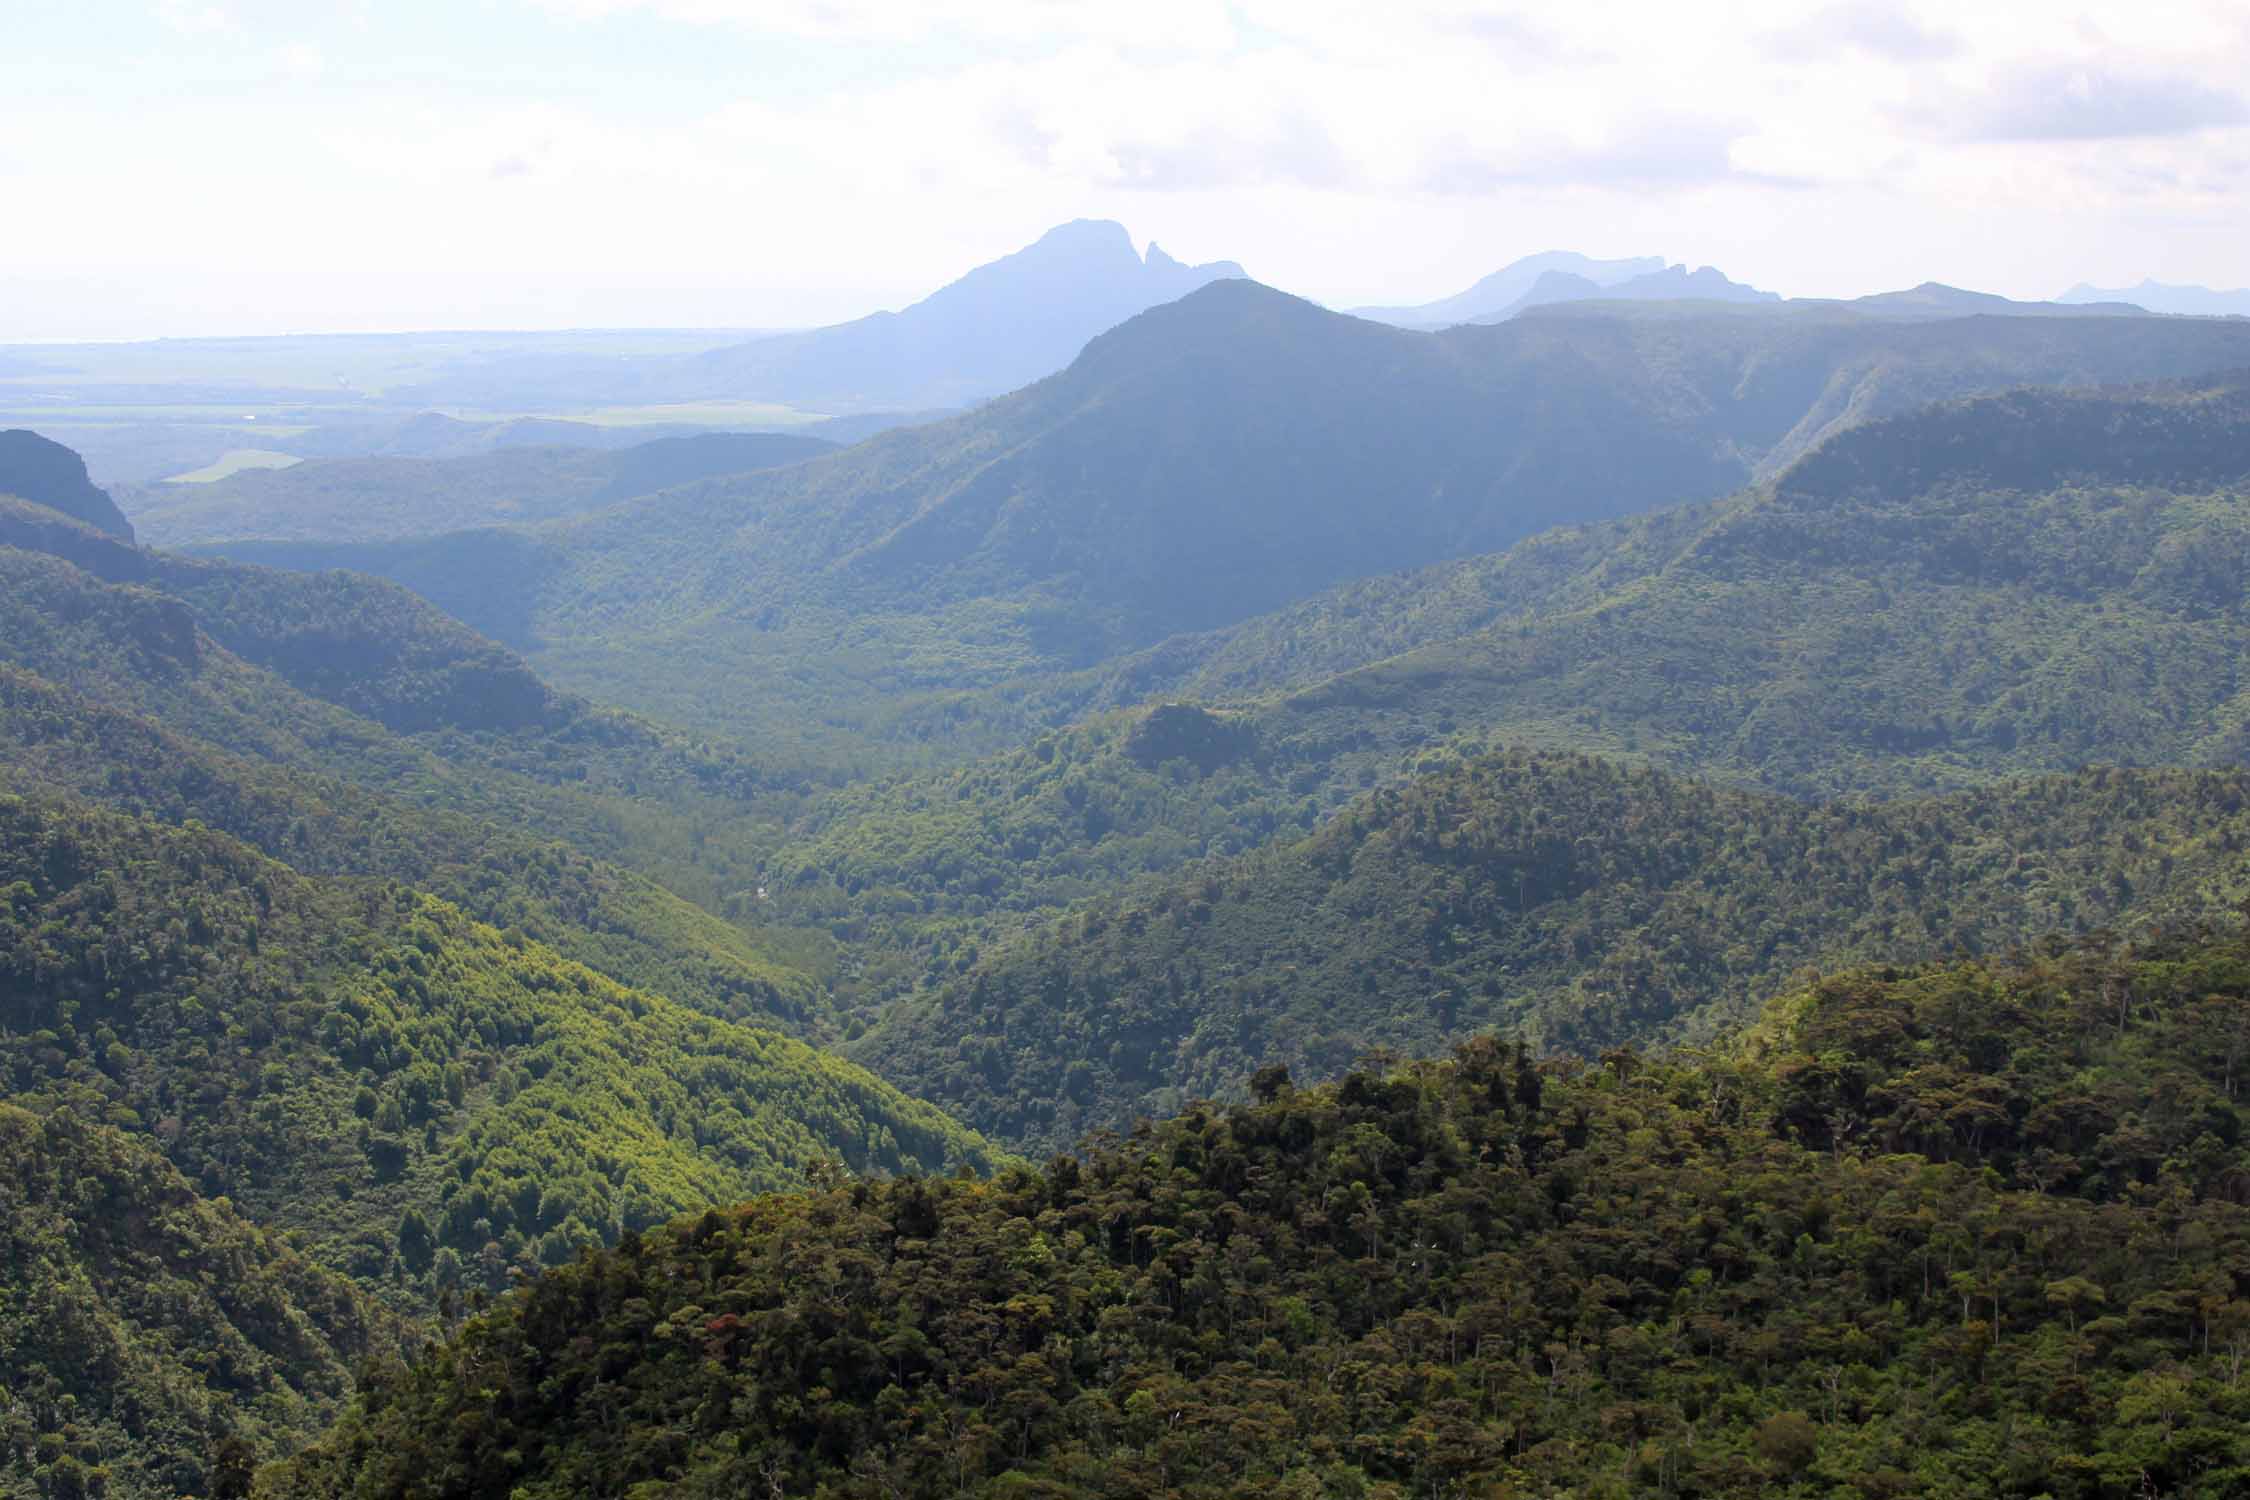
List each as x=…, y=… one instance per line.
x=1214, y=459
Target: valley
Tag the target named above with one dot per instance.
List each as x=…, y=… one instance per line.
x=1611, y=885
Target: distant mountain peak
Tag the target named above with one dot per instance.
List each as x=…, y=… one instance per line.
x=998, y=327
x=2166, y=297
x=1102, y=235
x=1156, y=259
x=1673, y=283
x=1504, y=288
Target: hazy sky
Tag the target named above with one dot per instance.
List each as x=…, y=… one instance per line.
x=255, y=166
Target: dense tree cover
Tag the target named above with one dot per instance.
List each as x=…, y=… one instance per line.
x=97, y=657
x=1891, y=615
x=1961, y=536
x=151, y=1339
x=1965, y=1230
x=619, y=923
x=913, y=876
x=426, y=1100
x=1575, y=901
x=1209, y=461
x=359, y=644
x=383, y=497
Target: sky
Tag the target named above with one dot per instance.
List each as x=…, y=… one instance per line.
x=200, y=167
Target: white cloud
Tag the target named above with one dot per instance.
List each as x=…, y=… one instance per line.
x=1352, y=151
x=302, y=60
x=2088, y=102
x=194, y=18
x=1882, y=28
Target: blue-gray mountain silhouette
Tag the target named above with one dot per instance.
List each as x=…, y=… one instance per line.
x=1671, y=284
x=46, y=473
x=1504, y=288
x=2158, y=297
x=1000, y=327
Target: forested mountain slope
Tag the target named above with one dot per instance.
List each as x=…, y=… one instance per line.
x=114, y=690
x=1211, y=460
x=1568, y=899
x=153, y=1343
x=2026, y=582
x=610, y=919
x=360, y=1062
x=2013, y=585
x=379, y=498
x=1971, y=1230
x=353, y=679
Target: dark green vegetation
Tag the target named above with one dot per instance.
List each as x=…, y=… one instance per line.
x=1210, y=461
x=2015, y=585
x=307, y=1043
x=361, y=1063
x=152, y=1342
x=381, y=498
x=1969, y=1230
x=448, y=978
x=1561, y=898
x=367, y=734
x=46, y=473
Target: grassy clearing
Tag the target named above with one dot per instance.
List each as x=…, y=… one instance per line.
x=233, y=462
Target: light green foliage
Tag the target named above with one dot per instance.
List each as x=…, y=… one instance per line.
x=483, y=768
x=178, y=984
x=1820, y=1264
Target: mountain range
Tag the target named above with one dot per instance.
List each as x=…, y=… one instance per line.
x=1208, y=461
x=1002, y=325
x=1777, y=767
x=1506, y=288
x=2157, y=297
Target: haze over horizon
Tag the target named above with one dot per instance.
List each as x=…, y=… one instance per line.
x=581, y=163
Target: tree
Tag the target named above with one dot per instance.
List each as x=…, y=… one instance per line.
x=417, y=1246
x=1789, y=1441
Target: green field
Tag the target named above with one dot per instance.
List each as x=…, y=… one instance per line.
x=233, y=462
